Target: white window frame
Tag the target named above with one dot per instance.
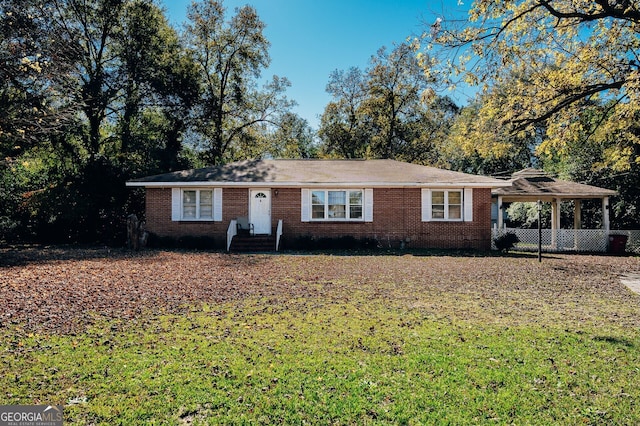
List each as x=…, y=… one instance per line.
x=177, y=208
x=347, y=205
x=198, y=204
x=466, y=204
x=446, y=204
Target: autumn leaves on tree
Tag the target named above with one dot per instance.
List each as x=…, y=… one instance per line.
x=561, y=72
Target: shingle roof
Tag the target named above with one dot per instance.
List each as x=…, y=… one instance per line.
x=535, y=183
x=317, y=173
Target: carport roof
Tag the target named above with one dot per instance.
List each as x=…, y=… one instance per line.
x=532, y=184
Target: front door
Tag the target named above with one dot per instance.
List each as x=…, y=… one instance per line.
x=260, y=211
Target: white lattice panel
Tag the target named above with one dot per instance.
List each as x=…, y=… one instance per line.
x=580, y=240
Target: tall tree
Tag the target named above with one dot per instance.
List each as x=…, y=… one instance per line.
x=395, y=86
x=343, y=128
x=386, y=112
x=583, y=159
x=159, y=88
x=231, y=56
x=293, y=138
x=127, y=59
x=566, y=54
x=95, y=27
x=479, y=143
x=125, y=89
x=35, y=60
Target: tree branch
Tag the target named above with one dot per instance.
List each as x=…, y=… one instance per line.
x=624, y=11
x=567, y=101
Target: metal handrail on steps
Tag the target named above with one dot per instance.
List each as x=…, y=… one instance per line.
x=278, y=234
x=232, y=231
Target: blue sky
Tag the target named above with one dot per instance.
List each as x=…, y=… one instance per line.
x=311, y=38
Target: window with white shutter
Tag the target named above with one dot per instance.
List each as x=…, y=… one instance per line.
x=350, y=205
x=450, y=205
x=201, y=204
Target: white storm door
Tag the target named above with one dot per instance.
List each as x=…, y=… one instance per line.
x=260, y=211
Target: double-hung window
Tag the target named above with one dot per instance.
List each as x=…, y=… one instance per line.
x=337, y=205
x=197, y=204
x=447, y=205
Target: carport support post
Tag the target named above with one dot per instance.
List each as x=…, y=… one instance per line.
x=605, y=214
x=605, y=220
x=577, y=221
x=577, y=214
x=539, y=231
x=555, y=220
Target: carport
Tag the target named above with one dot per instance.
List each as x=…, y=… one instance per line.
x=533, y=185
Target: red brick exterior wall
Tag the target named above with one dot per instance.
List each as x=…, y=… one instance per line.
x=396, y=219
x=235, y=202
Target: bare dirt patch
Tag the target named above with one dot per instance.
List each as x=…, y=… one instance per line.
x=63, y=290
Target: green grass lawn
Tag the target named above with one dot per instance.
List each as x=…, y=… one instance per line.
x=339, y=340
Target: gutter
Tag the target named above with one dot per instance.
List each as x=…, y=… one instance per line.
x=318, y=184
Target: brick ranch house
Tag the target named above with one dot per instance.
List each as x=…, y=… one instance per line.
x=395, y=203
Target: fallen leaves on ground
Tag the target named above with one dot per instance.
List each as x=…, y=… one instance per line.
x=64, y=290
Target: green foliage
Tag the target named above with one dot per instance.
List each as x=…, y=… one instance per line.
x=525, y=215
x=122, y=90
x=35, y=62
x=480, y=143
x=87, y=206
x=584, y=160
x=9, y=202
x=343, y=128
x=385, y=112
x=545, y=63
x=506, y=241
x=293, y=138
x=548, y=98
x=20, y=181
x=230, y=57
x=103, y=91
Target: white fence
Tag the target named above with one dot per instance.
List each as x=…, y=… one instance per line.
x=578, y=240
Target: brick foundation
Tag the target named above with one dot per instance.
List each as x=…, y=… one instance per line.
x=396, y=219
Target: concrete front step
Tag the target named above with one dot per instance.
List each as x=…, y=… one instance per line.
x=253, y=243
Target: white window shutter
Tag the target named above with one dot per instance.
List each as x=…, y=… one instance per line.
x=305, y=203
x=426, y=205
x=217, y=204
x=368, y=205
x=468, y=205
x=176, y=204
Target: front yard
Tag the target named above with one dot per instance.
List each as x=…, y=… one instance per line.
x=170, y=337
